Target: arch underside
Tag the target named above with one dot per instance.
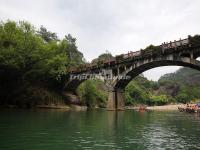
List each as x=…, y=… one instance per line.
x=72, y=85
x=182, y=61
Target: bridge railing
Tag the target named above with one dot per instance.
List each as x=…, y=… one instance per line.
x=149, y=51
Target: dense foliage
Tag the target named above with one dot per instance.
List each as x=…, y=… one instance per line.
x=102, y=57
x=93, y=93
x=142, y=91
x=33, y=63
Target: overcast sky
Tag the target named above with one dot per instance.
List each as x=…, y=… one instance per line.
x=118, y=26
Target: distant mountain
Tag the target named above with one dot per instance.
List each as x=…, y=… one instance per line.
x=183, y=76
x=183, y=85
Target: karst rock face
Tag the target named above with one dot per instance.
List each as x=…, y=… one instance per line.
x=172, y=83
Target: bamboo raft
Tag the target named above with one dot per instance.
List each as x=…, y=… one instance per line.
x=190, y=108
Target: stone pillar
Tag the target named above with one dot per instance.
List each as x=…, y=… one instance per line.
x=111, y=104
x=120, y=96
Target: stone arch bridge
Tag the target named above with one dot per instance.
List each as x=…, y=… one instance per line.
x=117, y=74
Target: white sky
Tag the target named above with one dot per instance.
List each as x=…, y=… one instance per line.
x=115, y=25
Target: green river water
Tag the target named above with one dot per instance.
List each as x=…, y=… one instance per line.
x=98, y=129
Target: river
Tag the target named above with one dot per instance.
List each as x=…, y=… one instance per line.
x=98, y=129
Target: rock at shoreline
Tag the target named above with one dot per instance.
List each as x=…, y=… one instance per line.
x=78, y=108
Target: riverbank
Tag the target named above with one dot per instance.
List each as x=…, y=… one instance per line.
x=60, y=107
x=64, y=107
x=170, y=107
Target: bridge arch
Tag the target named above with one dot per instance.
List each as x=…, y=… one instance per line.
x=71, y=89
x=72, y=84
x=116, y=99
x=138, y=69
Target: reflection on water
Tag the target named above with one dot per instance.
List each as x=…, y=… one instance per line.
x=50, y=130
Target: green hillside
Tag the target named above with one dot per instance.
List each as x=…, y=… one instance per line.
x=182, y=86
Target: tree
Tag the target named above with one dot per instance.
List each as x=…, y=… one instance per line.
x=92, y=93
x=158, y=99
x=47, y=35
x=134, y=93
x=105, y=56
x=31, y=59
x=75, y=56
x=182, y=98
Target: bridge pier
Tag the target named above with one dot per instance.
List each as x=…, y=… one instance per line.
x=116, y=99
x=111, y=104
x=120, y=99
